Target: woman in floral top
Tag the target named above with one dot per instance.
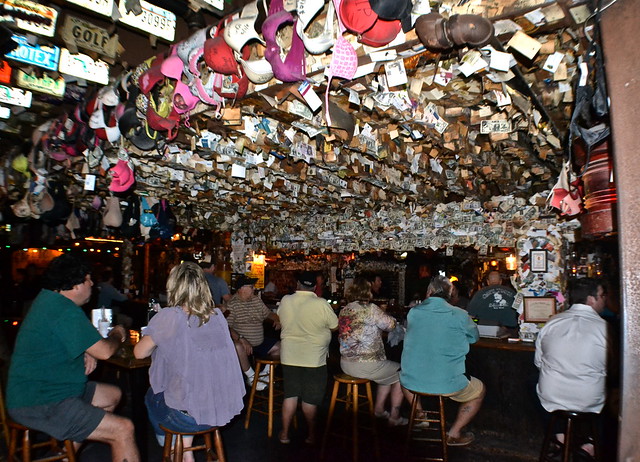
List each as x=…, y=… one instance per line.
x=361, y=323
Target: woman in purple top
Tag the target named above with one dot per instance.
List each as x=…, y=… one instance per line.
x=195, y=377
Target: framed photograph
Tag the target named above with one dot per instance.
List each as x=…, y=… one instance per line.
x=539, y=309
x=538, y=260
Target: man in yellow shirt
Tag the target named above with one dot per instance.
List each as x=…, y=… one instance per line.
x=307, y=321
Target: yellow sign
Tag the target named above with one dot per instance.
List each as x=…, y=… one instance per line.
x=45, y=84
x=257, y=270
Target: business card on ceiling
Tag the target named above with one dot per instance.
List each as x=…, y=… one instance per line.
x=524, y=44
x=238, y=171
x=396, y=73
x=90, y=183
x=310, y=96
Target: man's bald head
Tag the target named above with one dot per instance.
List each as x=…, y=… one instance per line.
x=494, y=278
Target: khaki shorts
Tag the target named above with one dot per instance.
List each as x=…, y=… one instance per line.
x=473, y=390
x=381, y=372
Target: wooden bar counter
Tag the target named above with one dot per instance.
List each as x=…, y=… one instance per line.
x=510, y=414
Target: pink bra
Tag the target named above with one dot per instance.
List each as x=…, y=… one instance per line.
x=183, y=99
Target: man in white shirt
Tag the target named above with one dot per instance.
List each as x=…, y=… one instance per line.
x=571, y=353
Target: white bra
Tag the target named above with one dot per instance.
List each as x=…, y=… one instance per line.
x=321, y=43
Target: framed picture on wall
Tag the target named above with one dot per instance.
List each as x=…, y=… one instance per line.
x=538, y=259
x=539, y=309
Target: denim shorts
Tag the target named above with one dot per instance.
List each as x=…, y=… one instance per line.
x=71, y=419
x=173, y=419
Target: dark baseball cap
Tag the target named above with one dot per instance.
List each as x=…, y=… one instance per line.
x=245, y=281
x=307, y=279
x=394, y=9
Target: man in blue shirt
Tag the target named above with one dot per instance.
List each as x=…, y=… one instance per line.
x=433, y=357
x=218, y=286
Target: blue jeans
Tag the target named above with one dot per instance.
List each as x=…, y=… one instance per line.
x=173, y=419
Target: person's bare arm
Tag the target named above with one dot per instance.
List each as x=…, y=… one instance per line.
x=90, y=364
x=144, y=347
x=106, y=347
x=276, y=320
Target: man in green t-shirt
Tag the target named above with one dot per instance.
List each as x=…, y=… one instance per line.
x=56, y=348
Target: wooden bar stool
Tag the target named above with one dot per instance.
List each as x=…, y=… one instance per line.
x=435, y=426
x=257, y=401
x=569, y=447
x=352, y=407
x=179, y=449
x=21, y=433
x=16, y=433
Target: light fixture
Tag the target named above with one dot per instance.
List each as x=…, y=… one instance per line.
x=100, y=239
x=453, y=278
x=494, y=263
x=511, y=262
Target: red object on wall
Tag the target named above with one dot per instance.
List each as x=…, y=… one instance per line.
x=5, y=72
x=600, y=194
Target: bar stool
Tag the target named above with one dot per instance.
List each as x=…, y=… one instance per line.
x=431, y=417
x=14, y=432
x=569, y=446
x=179, y=449
x=21, y=433
x=352, y=407
x=257, y=401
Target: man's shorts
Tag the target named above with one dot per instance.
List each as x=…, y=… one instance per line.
x=70, y=419
x=307, y=383
x=264, y=348
x=473, y=390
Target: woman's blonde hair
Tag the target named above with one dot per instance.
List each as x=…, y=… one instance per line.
x=360, y=290
x=187, y=287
